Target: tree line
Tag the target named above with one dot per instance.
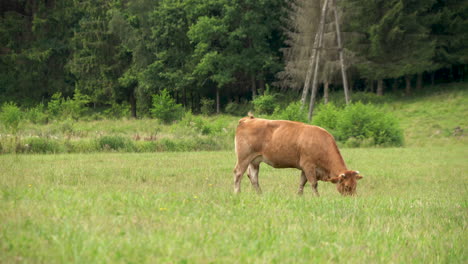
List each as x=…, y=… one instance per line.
x=122, y=51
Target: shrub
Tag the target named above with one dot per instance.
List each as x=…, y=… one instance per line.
x=37, y=115
x=367, y=122
x=195, y=123
x=74, y=108
x=81, y=146
x=54, y=107
x=327, y=116
x=42, y=145
x=207, y=106
x=165, y=108
x=11, y=116
x=67, y=127
x=265, y=104
x=360, y=125
x=292, y=112
x=114, y=143
x=117, y=111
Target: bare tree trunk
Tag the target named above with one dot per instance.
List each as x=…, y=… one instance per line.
x=380, y=87
x=408, y=84
x=317, y=60
x=325, y=92
x=185, y=97
x=305, y=91
x=313, y=57
x=419, y=81
x=340, y=48
x=253, y=86
x=217, y=100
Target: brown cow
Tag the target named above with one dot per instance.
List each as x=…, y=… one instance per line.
x=288, y=144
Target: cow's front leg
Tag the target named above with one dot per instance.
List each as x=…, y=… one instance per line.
x=312, y=178
x=252, y=173
x=302, y=183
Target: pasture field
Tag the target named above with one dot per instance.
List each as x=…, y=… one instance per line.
x=179, y=207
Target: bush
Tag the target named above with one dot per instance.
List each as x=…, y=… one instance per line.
x=367, y=122
x=207, y=106
x=292, y=112
x=360, y=125
x=11, y=116
x=42, y=145
x=37, y=115
x=194, y=123
x=117, y=111
x=165, y=108
x=74, y=108
x=114, y=143
x=265, y=104
x=327, y=116
x=54, y=107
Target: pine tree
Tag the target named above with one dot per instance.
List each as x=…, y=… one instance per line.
x=393, y=38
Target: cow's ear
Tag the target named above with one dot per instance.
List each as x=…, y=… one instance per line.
x=335, y=179
x=358, y=177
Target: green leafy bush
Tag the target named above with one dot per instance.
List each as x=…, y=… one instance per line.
x=165, y=108
x=327, y=117
x=42, y=145
x=360, y=125
x=114, y=143
x=10, y=116
x=292, y=112
x=367, y=122
x=194, y=123
x=265, y=104
x=54, y=107
x=74, y=108
x=117, y=111
x=37, y=115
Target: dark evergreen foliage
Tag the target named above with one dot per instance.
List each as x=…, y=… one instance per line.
x=123, y=52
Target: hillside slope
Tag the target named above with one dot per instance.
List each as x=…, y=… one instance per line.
x=436, y=116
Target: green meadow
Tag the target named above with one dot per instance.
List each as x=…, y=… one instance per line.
x=115, y=206
x=179, y=208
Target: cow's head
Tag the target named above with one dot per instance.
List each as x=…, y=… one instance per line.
x=346, y=182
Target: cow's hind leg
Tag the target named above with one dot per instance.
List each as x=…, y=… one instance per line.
x=252, y=173
x=302, y=183
x=239, y=170
x=312, y=178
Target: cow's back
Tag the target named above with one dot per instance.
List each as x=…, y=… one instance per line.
x=287, y=144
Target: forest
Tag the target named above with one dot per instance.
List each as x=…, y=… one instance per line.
x=220, y=52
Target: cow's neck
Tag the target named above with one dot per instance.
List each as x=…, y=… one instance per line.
x=337, y=164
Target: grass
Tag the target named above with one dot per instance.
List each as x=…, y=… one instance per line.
x=435, y=116
x=179, y=208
